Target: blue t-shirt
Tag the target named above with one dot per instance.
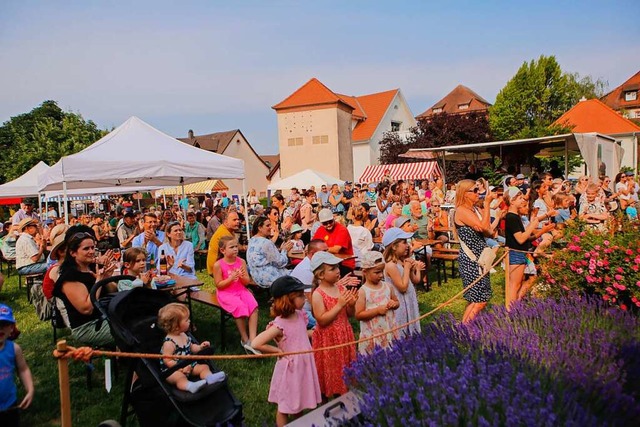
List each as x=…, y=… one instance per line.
x=563, y=216
x=8, y=392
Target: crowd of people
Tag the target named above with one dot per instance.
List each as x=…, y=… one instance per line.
x=326, y=254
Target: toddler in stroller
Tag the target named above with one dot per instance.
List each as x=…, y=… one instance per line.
x=174, y=320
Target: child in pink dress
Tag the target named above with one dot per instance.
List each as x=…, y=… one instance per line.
x=231, y=278
x=294, y=385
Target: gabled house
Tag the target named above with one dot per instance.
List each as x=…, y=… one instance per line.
x=234, y=144
x=461, y=100
x=336, y=134
x=594, y=116
x=625, y=99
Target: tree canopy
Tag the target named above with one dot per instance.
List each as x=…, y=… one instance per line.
x=45, y=133
x=538, y=94
x=438, y=130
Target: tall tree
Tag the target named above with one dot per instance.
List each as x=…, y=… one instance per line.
x=536, y=96
x=45, y=133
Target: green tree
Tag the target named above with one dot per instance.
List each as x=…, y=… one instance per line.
x=536, y=96
x=45, y=133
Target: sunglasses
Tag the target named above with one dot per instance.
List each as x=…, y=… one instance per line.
x=473, y=190
x=81, y=236
x=328, y=222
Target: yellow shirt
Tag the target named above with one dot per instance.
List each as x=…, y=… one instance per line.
x=213, y=255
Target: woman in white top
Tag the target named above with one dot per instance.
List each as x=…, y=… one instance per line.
x=179, y=252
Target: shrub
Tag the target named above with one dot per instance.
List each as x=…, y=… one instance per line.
x=568, y=362
x=604, y=264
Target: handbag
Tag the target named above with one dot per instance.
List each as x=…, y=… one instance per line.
x=485, y=260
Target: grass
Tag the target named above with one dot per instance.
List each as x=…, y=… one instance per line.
x=249, y=380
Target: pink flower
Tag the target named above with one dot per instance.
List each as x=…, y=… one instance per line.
x=635, y=268
x=619, y=270
x=606, y=242
x=587, y=254
x=623, y=307
x=606, y=297
x=565, y=288
x=599, y=263
x=575, y=239
x=638, y=283
x=579, y=271
x=552, y=281
x=629, y=252
x=596, y=247
x=617, y=277
x=583, y=233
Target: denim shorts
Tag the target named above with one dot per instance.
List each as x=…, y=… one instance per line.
x=517, y=258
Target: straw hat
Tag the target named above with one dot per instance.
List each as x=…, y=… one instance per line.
x=57, y=230
x=57, y=242
x=27, y=221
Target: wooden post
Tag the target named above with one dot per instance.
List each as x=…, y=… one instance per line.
x=63, y=380
x=506, y=279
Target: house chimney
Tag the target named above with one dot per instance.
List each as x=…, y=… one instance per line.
x=190, y=133
x=583, y=99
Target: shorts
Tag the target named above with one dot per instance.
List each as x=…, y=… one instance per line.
x=517, y=258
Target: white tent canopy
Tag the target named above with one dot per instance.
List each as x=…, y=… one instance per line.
x=305, y=179
x=26, y=185
x=137, y=155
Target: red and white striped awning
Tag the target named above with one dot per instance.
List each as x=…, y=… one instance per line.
x=418, y=170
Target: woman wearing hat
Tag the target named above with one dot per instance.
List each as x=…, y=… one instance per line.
x=58, y=252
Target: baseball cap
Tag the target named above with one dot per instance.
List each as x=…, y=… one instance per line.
x=629, y=173
x=6, y=314
x=513, y=192
x=285, y=285
x=325, y=215
x=400, y=221
x=520, y=176
x=323, y=257
x=371, y=259
x=393, y=234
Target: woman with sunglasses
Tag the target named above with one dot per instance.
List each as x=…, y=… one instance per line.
x=471, y=225
x=178, y=251
x=78, y=273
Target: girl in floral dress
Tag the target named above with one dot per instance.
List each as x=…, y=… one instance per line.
x=332, y=305
x=294, y=385
x=375, y=305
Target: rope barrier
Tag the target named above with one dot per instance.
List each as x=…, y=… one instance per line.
x=86, y=353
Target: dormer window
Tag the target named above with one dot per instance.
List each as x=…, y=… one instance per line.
x=395, y=126
x=437, y=110
x=631, y=95
x=463, y=106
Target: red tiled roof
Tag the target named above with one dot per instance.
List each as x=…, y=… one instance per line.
x=311, y=93
x=374, y=105
x=461, y=95
x=594, y=116
x=616, y=98
x=216, y=142
x=368, y=110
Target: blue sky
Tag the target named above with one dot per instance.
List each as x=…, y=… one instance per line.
x=213, y=66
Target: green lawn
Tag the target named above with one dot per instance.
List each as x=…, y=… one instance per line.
x=249, y=380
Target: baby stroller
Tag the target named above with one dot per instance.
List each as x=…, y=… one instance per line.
x=132, y=317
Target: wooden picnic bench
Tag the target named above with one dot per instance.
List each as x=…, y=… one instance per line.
x=211, y=299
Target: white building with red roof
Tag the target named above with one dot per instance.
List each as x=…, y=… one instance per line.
x=336, y=134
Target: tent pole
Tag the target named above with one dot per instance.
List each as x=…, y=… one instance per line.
x=183, y=196
x=164, y=199
x=66, y=211
x=566, y=160
x=246, y=210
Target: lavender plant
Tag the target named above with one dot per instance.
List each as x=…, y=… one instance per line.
x=547, y=363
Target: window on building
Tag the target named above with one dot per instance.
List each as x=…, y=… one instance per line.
x=321, y=139
x=395, y=126
x=437, y=110
x=632, y=95
x=463, y=106
x=292, y=142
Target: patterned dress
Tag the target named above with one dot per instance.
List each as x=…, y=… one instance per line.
x=470, y=270
x=408, y=309
x=331, y=363
x=379, y=324
x=294, y=385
